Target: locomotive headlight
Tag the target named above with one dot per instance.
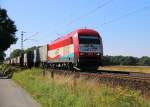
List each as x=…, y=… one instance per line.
x=81, y=53
x=98, y=54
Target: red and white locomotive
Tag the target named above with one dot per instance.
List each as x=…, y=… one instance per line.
x=81, y=49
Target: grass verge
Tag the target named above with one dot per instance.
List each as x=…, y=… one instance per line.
x=64, y=91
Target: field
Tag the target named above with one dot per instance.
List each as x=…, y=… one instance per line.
x=143, y=69
x=65, y=91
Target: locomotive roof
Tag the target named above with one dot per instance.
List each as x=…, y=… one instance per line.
x=79, y=31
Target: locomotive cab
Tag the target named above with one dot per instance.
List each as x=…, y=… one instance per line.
x=90, y=52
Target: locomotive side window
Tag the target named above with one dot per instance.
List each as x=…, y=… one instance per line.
x=89, y=39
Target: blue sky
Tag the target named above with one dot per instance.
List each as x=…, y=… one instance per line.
x=129, y=36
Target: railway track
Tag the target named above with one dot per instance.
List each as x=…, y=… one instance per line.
x=131, y=80
x=107, y=73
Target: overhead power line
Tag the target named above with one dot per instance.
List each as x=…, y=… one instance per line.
x=31, y=36
x=125, y=15
x=28, y=38
x=90, y=12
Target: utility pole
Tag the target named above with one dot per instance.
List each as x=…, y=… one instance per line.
x=23, y=40
x=21, y=53
x=22, y=34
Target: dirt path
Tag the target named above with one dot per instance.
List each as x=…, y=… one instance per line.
x=11, y=95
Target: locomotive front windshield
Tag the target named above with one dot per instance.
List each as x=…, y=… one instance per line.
x=89, y=43
x=89, y=39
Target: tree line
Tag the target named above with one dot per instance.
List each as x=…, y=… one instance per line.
x=17, y=52
x=126, y=60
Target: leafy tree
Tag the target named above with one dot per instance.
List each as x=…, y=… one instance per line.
x=31, y=49
x=19, y=52
x=2, y=55
x=15, y=53
x=106, y=60
x=120, y=60
x=7, y=31
x=144, y=61
x=129, y=60
x=116, y=60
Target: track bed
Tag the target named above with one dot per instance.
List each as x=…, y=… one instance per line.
x=132, y=80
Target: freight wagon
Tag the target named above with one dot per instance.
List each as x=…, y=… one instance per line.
x=43, y=56
x=36, y=59
x=28, y=59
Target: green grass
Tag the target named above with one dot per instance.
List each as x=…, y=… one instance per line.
x=64, y=91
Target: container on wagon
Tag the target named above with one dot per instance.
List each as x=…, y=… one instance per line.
x=36, y=59
x=43, y=54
